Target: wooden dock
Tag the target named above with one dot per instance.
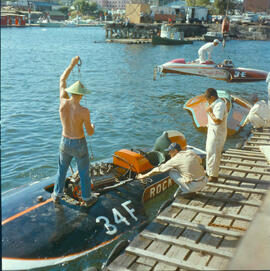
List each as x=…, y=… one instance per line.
x=203, y=233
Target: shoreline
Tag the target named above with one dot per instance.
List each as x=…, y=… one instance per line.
x=237, y=32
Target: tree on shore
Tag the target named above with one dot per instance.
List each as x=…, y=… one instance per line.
x=199, y=3
x=84, y=7
x=222, y=7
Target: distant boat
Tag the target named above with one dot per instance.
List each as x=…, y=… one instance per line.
x=156, y=40
x=170, y=35
x=211, y=36
x=238, y=109
x=50, y=23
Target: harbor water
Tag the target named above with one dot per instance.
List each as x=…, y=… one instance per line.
x=129, y=109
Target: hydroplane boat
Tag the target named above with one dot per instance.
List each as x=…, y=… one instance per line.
x=238, y=109
x=225, y=71
x=38, y=233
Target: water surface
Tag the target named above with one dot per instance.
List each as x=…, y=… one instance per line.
x=127, y=107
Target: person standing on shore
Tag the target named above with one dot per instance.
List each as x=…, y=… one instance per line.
x=216, y=132
x=74, y=118
x=207, y=49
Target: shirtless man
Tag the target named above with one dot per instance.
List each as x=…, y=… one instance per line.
x=73, y=143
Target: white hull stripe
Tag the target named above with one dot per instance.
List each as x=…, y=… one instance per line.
x=21, y=264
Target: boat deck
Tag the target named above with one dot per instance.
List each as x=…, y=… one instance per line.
x=203, y=233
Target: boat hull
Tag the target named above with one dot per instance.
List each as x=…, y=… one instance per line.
x=242, y=75
x=40, y=233
x=219, y=72
x=209, y=70
x=156, y=40
x=237, y=113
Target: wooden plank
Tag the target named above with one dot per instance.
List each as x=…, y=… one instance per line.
x=261, y=133
x=243, y=179
x=233, y=200
x=251, y=147
x=196, y=226
x=260, y=138
x=211, y=212
x=158, y=257
x=245, y=170
x=187, y=244
x=115, y=267
x=244, y=163
x=245, y=152
x=123, y=261
x=244, y=157
x=258, y=143
x=237, y=188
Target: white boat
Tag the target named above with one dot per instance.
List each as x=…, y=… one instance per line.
x=224, y=71
x=49, y=23
x=170, y=35
x=211, y=36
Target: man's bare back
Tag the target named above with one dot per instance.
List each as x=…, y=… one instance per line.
x=73, y=116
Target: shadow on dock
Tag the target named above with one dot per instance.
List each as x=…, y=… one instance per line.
x=226, y=226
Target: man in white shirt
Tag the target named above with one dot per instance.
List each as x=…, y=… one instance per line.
x=268, y=83
x=207, y=49
x=184, y=168
x=216, y=132
x=259, y=114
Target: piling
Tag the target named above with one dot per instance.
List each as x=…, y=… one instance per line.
x=203, y=233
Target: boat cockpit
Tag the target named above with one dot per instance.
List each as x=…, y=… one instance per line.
x=124, y=168
x=227, y=63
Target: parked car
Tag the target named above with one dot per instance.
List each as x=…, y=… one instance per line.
x=250, y=18
x=235, y=19
x=217, y=18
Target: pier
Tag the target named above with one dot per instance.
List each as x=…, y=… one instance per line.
x=220, y=228
x=147, y=30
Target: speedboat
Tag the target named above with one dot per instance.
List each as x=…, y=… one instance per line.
x=237, y=107
x=38, y=233
x=225, y=71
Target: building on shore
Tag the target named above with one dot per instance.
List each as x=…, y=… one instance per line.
x=112, y=4
x=257, y=6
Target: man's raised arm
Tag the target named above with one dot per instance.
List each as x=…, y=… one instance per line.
x=65, y=75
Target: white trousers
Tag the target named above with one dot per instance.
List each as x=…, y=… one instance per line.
x=202, y=57
x=214, y=146
x=193, y=186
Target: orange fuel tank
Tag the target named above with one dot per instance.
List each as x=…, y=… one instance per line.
x=131, y=160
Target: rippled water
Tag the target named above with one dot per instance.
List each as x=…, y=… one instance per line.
x=127, y=107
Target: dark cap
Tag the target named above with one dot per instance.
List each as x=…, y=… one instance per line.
x=210, y=92
x=174, y=146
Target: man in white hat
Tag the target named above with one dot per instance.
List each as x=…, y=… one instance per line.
x=73, y=143
x=207, y=49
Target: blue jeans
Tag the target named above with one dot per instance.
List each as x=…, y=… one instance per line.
x=70, y=148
